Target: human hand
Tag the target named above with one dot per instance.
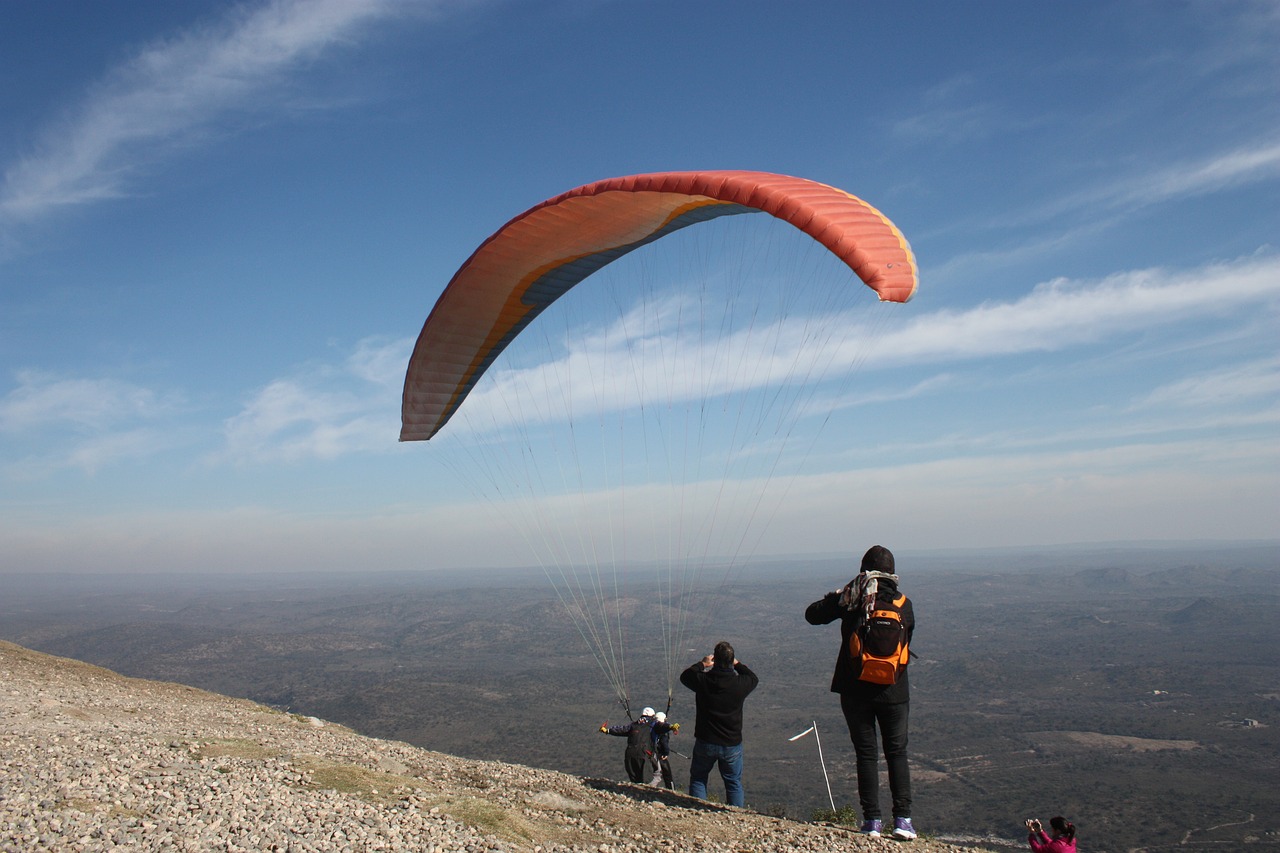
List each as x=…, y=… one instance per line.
x=605, y=728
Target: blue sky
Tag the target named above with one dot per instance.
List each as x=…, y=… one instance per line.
x=222, y=226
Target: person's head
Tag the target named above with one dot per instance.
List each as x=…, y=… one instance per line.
x=724, y=654
x=647, y=712
x=1062, y=827
x=878, y=559
x=660, y=717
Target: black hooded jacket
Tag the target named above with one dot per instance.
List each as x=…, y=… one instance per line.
x=845, y=680
x=720, y=692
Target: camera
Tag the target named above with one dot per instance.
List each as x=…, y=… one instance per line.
x=1033, y=824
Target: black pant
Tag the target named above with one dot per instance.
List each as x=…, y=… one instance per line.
x=636, y=762
x=668, y=778
x=863, y=719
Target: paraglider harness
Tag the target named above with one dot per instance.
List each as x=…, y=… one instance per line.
x=879, y=638
x=651, y=751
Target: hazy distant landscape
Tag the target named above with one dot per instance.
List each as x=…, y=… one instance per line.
x=1133, y=689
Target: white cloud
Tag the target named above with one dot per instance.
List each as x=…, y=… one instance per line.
x=381, y=361
x=1181, y=490
x=851, y=399
x=90, y=424
x=170, y=93
x=114, y=447
x=614, y=370
x=1254, y=380
x=1063, y=313
x=1203, y=488
x=1219, y=172
x=323, y=412
x=328, y=411
x=41, y=400
x=92, y=453
x=1097, y=209
x=949, y=111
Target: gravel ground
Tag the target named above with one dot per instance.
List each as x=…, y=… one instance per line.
x=91, y=760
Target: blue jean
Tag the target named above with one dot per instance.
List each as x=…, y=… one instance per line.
x=708, y=755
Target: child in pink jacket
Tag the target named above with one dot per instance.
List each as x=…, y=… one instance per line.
x=1063, y=841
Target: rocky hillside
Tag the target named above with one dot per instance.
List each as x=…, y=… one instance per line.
x=91, y=760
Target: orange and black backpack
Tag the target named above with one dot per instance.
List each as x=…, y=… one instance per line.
x=879, y=642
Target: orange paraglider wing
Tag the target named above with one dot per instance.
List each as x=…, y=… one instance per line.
x=536, y=257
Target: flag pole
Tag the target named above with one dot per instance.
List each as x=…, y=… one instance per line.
x=821, y=760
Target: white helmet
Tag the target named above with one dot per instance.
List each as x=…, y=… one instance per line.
x=647, y=712
x=660, y=717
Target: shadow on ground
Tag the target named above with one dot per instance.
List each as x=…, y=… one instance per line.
x=649, y=794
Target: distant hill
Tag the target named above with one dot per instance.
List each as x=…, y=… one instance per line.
x=1132, y=690
x=92, y=760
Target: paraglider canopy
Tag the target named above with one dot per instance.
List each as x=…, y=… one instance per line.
x=536, y=257
x=641, y=436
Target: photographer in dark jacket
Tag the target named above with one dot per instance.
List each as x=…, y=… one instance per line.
x=720, y=683
x=867, y=705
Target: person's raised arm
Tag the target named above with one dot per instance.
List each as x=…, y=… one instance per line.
x=689, y=678
x=745, y=672
x=825, y=610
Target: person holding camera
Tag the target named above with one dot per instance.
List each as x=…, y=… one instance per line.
x=870, y=705
x=720, y=683
x=1064, y=836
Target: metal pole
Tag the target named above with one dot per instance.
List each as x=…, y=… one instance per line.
x=823, y=762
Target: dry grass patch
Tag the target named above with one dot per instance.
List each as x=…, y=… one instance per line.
x=377, y=786
x=488, y=818
x=1097, y=740
x=234, y=748
x=363, y=782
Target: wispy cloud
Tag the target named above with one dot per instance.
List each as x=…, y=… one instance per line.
x=612, y=370
x=323, y=412
x=1098, y=207
x=948, y=110
x=171, y=93
x=1255, y=380
x=1064, y=313
x=42, y=400
x=329, y=411
x=1220, y=171
x=1081, y=215
x=90, y=424
x=112, y=448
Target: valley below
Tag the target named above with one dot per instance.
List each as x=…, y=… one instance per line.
x=1134, y=690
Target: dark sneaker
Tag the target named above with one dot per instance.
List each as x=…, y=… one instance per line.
x=903, y=829
x=872, y=827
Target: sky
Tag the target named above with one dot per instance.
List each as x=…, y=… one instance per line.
x=222, y=226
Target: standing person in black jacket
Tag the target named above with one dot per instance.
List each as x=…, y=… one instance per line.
x=867, y=705
x=720, y=683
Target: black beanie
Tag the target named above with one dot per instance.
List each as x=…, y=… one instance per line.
x=878, y=559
